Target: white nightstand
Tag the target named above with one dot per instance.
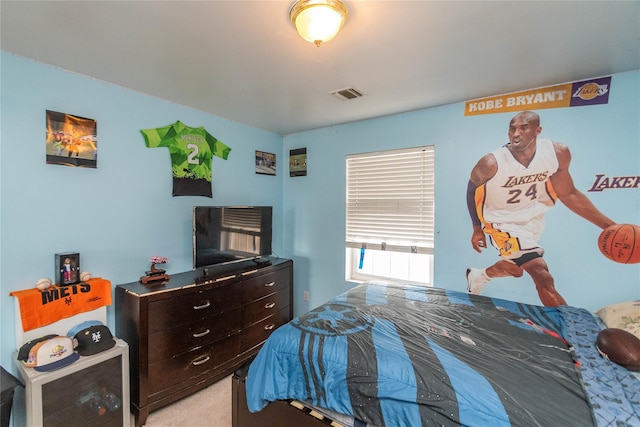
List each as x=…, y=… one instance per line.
x=94, y=390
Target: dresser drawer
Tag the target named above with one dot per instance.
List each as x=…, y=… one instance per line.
x=166, y=343
x=260, y=286
x=187, y=366
x=185, y=308
x=259, y=332
x=265, y=307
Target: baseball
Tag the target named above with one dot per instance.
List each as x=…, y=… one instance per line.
x=84, y=276
x=43, y=283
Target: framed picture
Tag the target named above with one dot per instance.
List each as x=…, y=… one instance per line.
x=68, y=268
x=71, y=140
x=298, y=162
x=265, y=163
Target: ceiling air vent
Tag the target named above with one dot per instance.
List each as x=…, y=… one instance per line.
x=347, y=94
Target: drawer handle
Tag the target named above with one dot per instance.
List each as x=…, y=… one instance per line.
x=200, y=361
x=269, y=305
x=201, y=334
x=270, y=284
x=200, y=307
x=269, y=327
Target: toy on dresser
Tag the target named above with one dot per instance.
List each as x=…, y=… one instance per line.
x=156, y=275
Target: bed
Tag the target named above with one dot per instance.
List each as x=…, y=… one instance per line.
x=384, y=354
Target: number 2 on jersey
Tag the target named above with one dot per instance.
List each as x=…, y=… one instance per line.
x=192, y=158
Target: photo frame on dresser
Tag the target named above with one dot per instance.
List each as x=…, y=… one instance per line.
x=67, y=268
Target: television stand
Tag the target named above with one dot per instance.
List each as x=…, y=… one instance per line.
x=239, y=267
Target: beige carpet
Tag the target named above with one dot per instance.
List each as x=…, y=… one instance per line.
x=210, y=407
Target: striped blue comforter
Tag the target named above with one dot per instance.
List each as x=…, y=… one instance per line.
x=402, y=355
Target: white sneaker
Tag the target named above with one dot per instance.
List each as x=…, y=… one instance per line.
x=476, y=279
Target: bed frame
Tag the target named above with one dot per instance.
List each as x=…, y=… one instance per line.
x=276, y=414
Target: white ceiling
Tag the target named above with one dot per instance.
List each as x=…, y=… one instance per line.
x=244, y=61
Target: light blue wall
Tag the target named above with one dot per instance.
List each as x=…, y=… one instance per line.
x=118, y=215
x=603, y=139
x=121, y=213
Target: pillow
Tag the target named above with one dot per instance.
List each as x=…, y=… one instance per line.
x=624, y=315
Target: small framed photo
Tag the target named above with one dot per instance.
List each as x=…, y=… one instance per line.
x=298, y=162
x=68, y=268
x=265, y=163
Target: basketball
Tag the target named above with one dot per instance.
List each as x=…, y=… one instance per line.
x=620, y=347
x=621, y=243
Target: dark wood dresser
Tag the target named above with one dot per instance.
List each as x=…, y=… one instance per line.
x=198, y=327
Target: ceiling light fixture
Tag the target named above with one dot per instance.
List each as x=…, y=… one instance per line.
x=318, y=21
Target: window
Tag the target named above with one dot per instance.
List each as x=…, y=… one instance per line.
x=390, y=215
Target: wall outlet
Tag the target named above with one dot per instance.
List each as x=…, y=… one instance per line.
x=305, y=295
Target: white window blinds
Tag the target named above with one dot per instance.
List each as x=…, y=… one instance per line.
x=390, y=200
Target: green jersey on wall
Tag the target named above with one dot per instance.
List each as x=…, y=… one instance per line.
x=192, y=151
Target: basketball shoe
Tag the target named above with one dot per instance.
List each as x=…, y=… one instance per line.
x=476, y=279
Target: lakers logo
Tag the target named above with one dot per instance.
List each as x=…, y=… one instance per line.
x=590, y=90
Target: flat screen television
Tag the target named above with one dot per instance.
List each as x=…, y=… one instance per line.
x=227, y=234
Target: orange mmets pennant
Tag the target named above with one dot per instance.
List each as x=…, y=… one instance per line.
x=40, y=308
